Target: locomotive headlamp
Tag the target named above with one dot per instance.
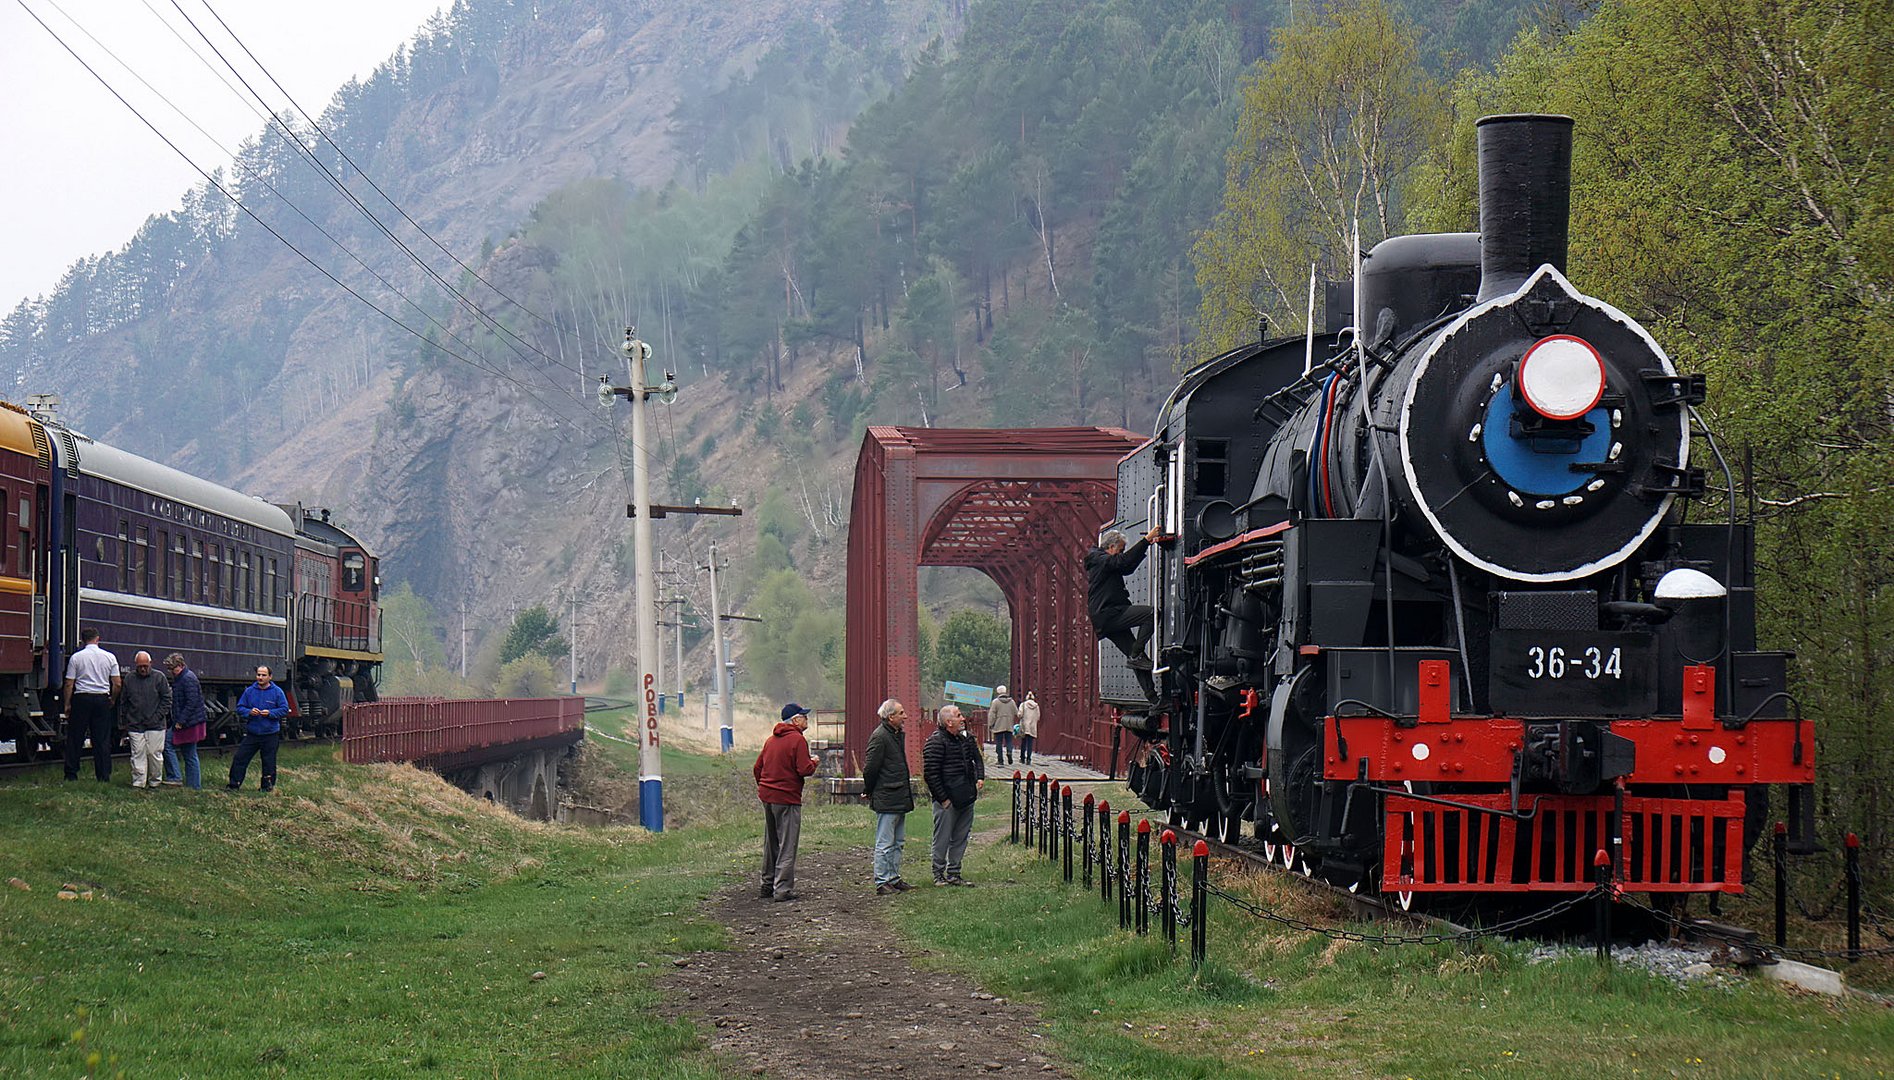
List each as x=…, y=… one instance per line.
x=1684, y=583
x=1561, y=377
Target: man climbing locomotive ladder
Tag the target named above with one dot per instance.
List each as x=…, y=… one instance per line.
x=1114, y=617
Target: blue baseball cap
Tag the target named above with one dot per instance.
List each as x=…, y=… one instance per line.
x=793, y=710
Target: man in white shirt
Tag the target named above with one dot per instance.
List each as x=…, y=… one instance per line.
x=92, y=685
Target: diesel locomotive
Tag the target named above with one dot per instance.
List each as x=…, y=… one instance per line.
x=1439, y=608
x=163, y=561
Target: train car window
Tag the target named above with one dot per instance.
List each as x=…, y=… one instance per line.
x=161, y=555
x=353, y=572
x=269, y=587
x=200, y=581
x=141, y=560
x=212, y=590
x=192, y=576
x=124, y=557
x=25, y=522
x=177, y=568
x=249, y=582
x=1213, y=467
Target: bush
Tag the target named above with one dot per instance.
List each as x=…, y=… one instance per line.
x=527, y=677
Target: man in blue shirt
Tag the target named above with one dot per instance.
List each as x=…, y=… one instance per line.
x=262, y=709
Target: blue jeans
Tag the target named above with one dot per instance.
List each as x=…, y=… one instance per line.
x=187, y=754
x=891, y=834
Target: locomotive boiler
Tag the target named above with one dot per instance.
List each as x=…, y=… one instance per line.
x=1439, y=607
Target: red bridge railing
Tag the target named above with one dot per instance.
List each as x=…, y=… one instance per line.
x=431, y=729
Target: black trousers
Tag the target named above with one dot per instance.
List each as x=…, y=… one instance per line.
x=91, y=717
x=247, y=749
x=1130, y=629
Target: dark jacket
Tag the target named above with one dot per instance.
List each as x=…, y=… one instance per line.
x=1105, y=595
x=885, y=775
x=187, y=709
x=952, y=767
x=783, y=763
x=144, y=703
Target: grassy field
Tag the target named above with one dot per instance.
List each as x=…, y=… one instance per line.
x=357, y=922
x=376, y=922
x=1280, y=1004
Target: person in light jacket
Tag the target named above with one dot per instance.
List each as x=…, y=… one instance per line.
x=1002, y=715
x=1028, y=727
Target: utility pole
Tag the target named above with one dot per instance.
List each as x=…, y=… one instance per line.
x=644, y=577
x=572, y=641
x=720, y=665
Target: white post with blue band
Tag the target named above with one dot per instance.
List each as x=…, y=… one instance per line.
x=644, y=592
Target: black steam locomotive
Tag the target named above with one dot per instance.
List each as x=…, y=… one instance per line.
x=1432, y=611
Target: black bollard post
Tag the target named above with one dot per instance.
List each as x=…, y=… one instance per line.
x=1601, y=864
x=1852, y=848
x=1167, y=888
x=1104, y=850
x=1031, y=789
x=1015, y=806
x=1085, y=840
x=1199, y=902
x=1065, y=830
x=1782, y=883
x=1124, y=869
x=1048, y=814
x=1141, y=896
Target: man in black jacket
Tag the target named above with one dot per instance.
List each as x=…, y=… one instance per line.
x=955, y=772
x=1114, y=617
x=889, y=788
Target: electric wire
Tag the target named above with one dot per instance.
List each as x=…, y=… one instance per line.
x=263, y=180
x=309, y=155
x=364, y=174
x=285, y=241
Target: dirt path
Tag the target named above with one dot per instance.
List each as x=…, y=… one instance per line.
x=822, y=988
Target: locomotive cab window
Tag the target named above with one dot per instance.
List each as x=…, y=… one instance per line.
x=25, y=523
x=354, y=568
x=1213, y=467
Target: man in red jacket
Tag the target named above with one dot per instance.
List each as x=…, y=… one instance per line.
x=780, y=770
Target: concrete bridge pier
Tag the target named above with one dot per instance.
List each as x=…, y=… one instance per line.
x=528, y=783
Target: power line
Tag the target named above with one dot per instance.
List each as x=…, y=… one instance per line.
x=219, y=187
x=287, y=201
x=364, y=174
x=336, y=182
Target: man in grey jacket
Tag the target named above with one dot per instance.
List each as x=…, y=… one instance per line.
x=144, y=708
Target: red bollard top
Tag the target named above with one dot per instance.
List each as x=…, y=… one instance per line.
x=1124, y=817
x=1031, y=777
x=1201, y=851
x=1015, y=774
x=1144, y=824
x=1088, y=800
x=1169, y=838
x=1601, y=859
x=1104, y=806
x=1781, y=827
x=1852, y=840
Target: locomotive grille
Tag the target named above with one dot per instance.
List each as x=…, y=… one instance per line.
x=41, y=445
x=1568, y=610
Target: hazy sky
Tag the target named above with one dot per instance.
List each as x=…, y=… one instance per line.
x=79, y=173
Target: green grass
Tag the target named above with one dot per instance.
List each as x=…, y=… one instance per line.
x=358, y=922
x=1275, y=1004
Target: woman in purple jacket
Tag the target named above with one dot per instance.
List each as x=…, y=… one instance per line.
x=189, y=722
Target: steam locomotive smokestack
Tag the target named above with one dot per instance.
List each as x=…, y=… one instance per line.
x=1525, y=197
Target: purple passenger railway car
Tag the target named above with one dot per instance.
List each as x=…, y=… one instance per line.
x=165, y=561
